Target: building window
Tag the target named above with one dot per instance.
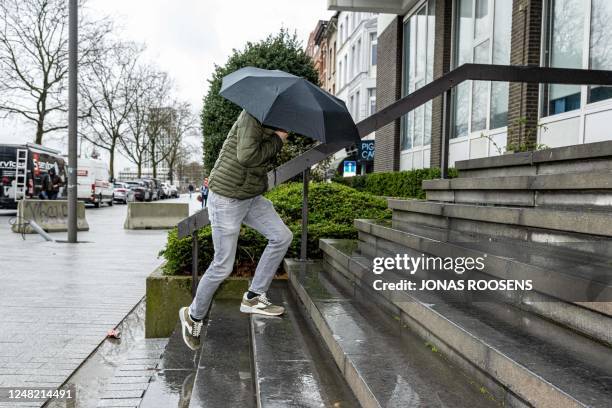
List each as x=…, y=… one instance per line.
x=571, y=46
x=345, y=74
x=358, y=58
x=346, y=28
x=417, y=72
x=373, y=48
x=340, y=79
x=341, y=33
x=352, y=106
x=357, y=105
x=372, y=101
x=353, y=65
x=482, y=35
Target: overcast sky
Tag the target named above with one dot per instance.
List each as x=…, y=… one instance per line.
x=187, y=37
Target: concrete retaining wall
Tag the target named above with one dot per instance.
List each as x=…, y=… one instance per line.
x=167, y=294
x=51, y=215
x=155, y=215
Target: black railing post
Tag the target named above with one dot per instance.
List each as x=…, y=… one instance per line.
x=304, y=240
x=446, y=125
x=194, y=266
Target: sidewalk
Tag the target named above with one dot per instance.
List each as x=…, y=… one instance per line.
x=59, y=300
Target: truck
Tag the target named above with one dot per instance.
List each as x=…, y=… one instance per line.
x=23, y=168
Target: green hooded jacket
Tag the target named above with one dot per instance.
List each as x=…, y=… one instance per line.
x=242, y=166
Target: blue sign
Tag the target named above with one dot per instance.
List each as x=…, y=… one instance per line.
x=350, y=168
x=365, y=150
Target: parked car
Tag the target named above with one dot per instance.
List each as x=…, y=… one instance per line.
x=167, y=190
x=152, y=189
x=173, y=191
x=31, y=162
x=140, y=189
x=123, y=193
x=157, y=188
x=94, y=184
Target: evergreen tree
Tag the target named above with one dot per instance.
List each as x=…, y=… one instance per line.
x=281, y=51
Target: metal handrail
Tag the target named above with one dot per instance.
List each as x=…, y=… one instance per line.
x=441, y=86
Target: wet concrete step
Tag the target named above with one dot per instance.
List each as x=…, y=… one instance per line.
x=542, y=363
x=588, y=157
x=597, y=180
x=384, y=364
x=223, y=377
x=292, y=367
x=172, y=384
x=573, y=190
x=438, y=214
x=581, y=279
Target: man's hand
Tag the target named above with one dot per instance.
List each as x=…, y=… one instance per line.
x=282, y=134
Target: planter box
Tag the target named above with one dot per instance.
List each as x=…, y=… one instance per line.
x=167, y=294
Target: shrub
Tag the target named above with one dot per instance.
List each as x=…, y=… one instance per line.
x=332, y=209
x=394, y=184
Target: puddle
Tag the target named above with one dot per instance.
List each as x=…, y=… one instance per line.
x=92, y=378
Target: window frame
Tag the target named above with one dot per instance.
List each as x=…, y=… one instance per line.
x=476, y=42
x=545, y=57
x=373, y=37
x=422, y=5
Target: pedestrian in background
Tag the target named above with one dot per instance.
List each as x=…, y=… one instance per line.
x=190, y=188
x=51, y=185
x=204, y=191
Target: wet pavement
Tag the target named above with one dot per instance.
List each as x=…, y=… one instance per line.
x=59, y=300
x=120, y=370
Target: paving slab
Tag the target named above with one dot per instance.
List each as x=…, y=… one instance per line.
x=69, y=295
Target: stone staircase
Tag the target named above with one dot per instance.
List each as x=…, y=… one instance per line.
x=544, y=216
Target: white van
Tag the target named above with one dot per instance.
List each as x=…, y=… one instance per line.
x=94, y=184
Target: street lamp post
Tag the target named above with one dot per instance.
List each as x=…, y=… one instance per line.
x=73, y=47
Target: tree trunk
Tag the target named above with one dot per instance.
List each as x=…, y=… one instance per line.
x=112, y=157
x=39, y=130
x=139, y=169
x=112, y=162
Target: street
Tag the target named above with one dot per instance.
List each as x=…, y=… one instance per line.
x=59, y=300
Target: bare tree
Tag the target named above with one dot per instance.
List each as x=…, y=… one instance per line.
x=184, y=123
x=135, y=143
x=34, y=59
x=109, y=90
x=160, y=122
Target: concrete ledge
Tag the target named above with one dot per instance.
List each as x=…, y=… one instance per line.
x=51, y=215
x=575, y=152
x=167, y=294
x=570, y=181
x=583, y=222
x=155, y=215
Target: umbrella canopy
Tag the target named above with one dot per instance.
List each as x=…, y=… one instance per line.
x=282, y=100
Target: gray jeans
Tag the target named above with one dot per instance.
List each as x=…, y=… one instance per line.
x=226, y=216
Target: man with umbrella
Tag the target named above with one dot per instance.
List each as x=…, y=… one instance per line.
x=272, y=101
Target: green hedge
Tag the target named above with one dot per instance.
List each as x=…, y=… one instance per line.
x=332, y=209
x=394, y=184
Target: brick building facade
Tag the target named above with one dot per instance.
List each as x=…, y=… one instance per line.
x=420, y=40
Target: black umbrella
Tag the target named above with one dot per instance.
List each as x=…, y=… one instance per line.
x=288, y=102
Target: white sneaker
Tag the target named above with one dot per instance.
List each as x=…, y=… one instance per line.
x=260, y=305
x=190, y=328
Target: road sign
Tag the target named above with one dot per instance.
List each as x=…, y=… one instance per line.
x=350, y=168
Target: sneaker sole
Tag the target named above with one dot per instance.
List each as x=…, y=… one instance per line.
x=254, y=310
x=185, y=330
